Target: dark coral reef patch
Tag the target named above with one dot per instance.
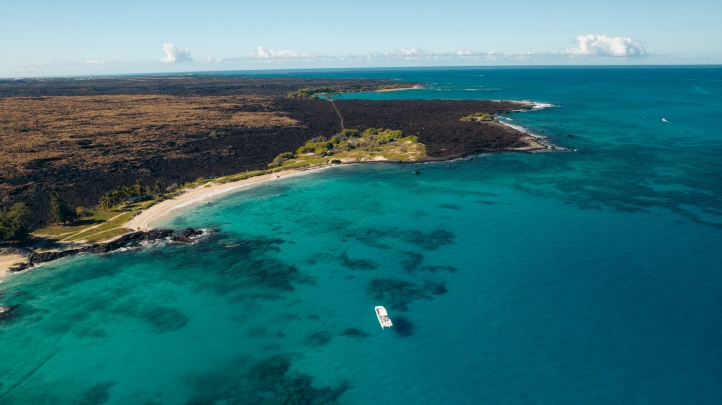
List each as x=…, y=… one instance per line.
x=398, y=294
x=357, y=264
x=268, y=381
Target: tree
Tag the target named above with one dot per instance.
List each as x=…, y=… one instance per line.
x=139, y=188
x=157, y=188
x=60, y=212
x=126, y=192
x=81, y=212
x=106, y=202
x=15, y=223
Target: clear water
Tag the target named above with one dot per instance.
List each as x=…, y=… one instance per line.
x=589, y=277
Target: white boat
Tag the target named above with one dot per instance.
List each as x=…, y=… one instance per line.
x=383, y=317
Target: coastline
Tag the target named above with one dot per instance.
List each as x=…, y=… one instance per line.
x=418, y=86
x=540, y=140
x=143, y=220
x=8, y=261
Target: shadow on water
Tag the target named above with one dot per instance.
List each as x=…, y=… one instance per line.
x=402, y=326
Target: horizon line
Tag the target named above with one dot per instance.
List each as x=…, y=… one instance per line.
x=431, y=67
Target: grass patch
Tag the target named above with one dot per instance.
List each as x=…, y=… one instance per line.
x=105, y=235
x=115, y=223
x=396, y=86
x=480, y=116
x=97, y=216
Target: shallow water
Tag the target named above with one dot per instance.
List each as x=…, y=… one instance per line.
x=578, y=277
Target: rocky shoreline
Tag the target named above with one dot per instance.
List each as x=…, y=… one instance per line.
x=184, y=236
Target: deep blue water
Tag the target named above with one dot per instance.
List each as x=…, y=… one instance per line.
x=587, y=277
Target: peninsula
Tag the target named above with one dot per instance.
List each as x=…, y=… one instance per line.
x=122, y=146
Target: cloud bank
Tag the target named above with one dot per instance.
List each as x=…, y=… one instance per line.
x=602, y=45
x=176, y=54
x=264, y=53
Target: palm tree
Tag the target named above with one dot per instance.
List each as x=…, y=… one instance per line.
x=106, y=202
x=157, y=188
x=139, y=188
x=115, y=195
x=126, y=192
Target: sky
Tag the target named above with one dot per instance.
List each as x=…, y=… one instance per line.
x=78, y=37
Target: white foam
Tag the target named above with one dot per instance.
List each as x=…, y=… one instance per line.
x=541, y=106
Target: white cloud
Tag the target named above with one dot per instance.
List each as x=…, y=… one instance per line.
x=603, y=45
x=93, y=62
x=175, y=54
x=264, y=53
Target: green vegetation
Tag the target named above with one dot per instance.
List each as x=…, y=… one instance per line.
x=312, y=92
x=278, y=161
x=351, y=133
x=330, y=92
x=60, y=212
x=350, y=145
x=480, y=116
x=100, y=232
x=157, y=188
x=15, y=223
x=114, y=209
x=395, y=86
x=120, y=204
x=125, y=195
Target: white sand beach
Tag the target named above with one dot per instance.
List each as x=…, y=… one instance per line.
x=7, y=261
x=143, y=220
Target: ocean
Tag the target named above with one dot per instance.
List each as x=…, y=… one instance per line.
x=591, y=276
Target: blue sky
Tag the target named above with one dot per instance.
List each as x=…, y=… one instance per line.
x=74, y=37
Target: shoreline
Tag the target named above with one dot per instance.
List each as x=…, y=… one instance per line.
x=8, y=261
x=418, y=86
x=144, y=220
x=541, y=140
x=141, y=222
x=202, y=193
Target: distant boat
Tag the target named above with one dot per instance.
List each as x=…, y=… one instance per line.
x=383, y=317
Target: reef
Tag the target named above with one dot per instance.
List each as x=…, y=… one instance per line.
x=8, y=313
x=357, y=264
x=269, y=381
x=398, y=294
x=354, y=332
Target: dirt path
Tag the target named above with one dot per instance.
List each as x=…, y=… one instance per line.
x=90, y=227
x=337, y=112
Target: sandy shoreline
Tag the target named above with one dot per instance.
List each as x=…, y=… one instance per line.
x=144, y=219
x=405, y=88
x=7, y=261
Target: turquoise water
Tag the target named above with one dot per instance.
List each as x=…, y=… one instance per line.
x=589, y=277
